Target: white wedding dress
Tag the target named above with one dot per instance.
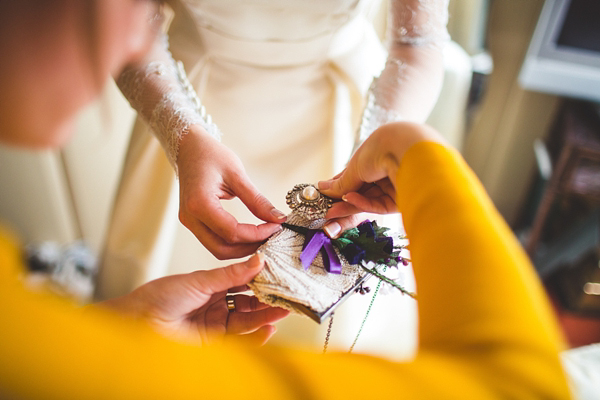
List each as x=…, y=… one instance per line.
x=285, y=82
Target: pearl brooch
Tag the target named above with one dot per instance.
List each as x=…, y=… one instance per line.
x=310, y=193
x=308, y=201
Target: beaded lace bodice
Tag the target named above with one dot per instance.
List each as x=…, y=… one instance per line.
x=161, y=93
x=159, y=90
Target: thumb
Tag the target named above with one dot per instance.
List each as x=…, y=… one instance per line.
x=347, y=182
x=221, y=279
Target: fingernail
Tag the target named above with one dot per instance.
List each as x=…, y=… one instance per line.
x=277, y=214
x=256, y=260
x=344, y=198
x=332, y=229
x=324, y=185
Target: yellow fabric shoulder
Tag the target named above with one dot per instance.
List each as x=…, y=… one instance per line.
x=485, y=327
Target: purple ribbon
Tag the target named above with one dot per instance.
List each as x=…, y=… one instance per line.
x=317, y=241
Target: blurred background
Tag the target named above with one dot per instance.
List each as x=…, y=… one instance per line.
x=519, y=102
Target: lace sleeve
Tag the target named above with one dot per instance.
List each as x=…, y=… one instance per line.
x=159, y=90
x=411, y=80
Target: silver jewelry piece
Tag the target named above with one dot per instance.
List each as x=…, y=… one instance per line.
x=305, y=199
x=230, y=303
x=209, y=125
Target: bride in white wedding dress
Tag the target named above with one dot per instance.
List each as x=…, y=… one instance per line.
x=286, y=83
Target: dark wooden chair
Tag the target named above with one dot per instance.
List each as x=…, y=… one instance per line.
x=576, y=166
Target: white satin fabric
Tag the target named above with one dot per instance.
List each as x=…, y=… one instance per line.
x=284, y=81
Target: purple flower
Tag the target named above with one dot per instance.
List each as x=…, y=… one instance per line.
x=353, y=253
x=367, y=228
x=389, y=246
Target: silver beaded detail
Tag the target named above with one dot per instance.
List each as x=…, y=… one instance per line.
x=209, y=125
x=306, y=200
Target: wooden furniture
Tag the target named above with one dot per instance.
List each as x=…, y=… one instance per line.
x=576, y=166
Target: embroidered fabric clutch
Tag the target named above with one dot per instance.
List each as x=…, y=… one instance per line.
x=306, y=272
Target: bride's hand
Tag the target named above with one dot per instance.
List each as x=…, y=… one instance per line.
x=209, y=172
x=193, y=306
x=367, y=183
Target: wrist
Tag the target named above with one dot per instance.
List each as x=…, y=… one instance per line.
x=396, y=138
x=196, y=138
x=118, y=304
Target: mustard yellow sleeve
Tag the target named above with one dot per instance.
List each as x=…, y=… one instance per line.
x=479, y=298
x=485, y=327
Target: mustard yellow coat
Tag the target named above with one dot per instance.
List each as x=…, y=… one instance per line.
x=485, y=330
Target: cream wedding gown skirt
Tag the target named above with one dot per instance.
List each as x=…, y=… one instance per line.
x=284, y=80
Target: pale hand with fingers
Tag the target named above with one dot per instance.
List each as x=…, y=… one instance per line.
x=367, y=183
x=209, y=173
x=194, y=307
